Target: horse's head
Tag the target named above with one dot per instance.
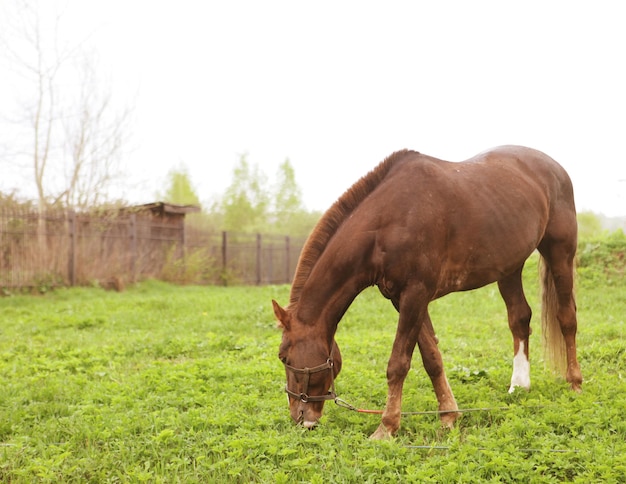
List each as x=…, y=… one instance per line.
x=311, y=362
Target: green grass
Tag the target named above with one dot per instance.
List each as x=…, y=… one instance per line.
x=181, y=384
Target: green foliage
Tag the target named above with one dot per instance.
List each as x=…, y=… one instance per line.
x=246, y=201
x=164, y=383
x=289, y=215
x=251, y=205
x=288, y=196
x=45, y=282
x=179, y=189
x=589, y=225
x=195, y=267
x=603, y=258
x=12, y=201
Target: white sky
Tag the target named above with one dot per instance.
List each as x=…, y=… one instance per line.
x=337, y=86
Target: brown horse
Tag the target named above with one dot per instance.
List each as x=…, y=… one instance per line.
x=420, y=228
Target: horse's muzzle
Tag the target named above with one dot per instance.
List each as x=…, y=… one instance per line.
x=306, y=414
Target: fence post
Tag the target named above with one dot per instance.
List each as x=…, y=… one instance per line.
x=183, y=245
x=133, y=246
x=270, y=263
x=259, y=254
x=72, y=249
x=287, y=259
x=224, y=256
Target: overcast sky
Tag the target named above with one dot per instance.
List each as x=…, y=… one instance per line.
x=337, y=86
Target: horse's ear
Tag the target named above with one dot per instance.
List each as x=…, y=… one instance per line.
x=281, y=315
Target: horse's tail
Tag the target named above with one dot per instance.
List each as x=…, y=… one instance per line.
x=553, y=341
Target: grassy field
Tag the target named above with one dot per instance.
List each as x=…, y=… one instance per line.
x=181, y=384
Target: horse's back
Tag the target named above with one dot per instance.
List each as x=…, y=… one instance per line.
x=494, y=181
x=466, y=223
x=533, y=163
x=554, y=183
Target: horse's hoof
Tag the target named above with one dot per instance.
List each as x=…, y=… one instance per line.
x=514, y=386
x=382, y=433
x=448, y=419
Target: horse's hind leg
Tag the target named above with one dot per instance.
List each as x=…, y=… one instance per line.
x=519, y=314
x=433, y=364
x=559, y=305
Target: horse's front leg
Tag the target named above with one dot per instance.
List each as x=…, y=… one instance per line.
x=409, y=325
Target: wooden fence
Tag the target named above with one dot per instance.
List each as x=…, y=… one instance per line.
x=111, y=249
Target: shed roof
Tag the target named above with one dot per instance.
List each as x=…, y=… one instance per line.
x=162, y=208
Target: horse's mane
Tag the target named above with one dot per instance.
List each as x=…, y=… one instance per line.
x=334, y=217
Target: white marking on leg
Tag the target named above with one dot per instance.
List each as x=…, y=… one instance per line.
x=521, y=370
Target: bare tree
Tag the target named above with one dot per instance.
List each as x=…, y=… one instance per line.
x=76, y=134
x=95, y=138
x=29, y=63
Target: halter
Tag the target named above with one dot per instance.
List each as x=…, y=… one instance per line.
x=304, y=396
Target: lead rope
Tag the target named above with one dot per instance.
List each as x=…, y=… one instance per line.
x=343, y=404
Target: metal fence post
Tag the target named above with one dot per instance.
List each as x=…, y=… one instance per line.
x=133, y=246
x=270, y=263
x=287, y=260
x=183, y=244
x=259, y=254
x=224, y=250
x=72, y=248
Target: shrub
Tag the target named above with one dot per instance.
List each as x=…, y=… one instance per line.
x=603, y=256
